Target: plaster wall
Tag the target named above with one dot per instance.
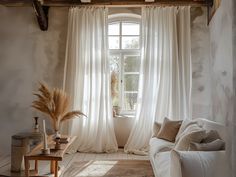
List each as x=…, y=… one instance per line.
x=233, y=120
x=223, y=72
x=27, y=55
x=221, y=36
x=200, y=49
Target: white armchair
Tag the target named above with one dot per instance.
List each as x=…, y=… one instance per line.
x=199, y=164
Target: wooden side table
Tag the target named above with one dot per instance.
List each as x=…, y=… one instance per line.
x=53, y=157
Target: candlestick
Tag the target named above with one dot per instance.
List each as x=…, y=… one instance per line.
x=36, y=125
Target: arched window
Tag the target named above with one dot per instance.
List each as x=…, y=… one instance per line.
x=124, y=54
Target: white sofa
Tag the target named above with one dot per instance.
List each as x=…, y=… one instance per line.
x=167, y=162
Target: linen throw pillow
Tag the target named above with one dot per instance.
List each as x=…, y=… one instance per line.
x=185, y=124
x=211, y=135
x=215, y=145
x=185, y=140
x=169, y=130
x=156, y=129
x=189, y=129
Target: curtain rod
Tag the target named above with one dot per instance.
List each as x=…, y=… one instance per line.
x=127, y=6
x=113, y=4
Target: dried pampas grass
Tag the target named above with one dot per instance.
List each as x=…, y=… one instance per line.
x=54, y=103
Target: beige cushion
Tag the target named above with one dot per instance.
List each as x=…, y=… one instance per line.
x=189, y=129
x=199, y=164
x=216, y=145
x=211, y=135
x=169, y=130
x=185, y=124
x=156, y=129
x=186, y=139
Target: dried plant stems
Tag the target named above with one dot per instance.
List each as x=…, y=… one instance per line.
x=54, y=103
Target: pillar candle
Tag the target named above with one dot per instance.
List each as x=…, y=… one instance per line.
x=44, y=128
x=45, y=143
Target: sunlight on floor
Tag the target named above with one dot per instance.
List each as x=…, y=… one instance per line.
x=97, y=168
x=93, y=168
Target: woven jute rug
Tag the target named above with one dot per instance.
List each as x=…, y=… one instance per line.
x=110, y=168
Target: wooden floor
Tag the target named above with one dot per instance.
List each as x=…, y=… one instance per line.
x=69, y=159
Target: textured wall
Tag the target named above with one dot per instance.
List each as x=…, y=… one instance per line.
x=233, y=121
x=27, y=55
x=201, y=87
x=221, y=62
x=223, y=72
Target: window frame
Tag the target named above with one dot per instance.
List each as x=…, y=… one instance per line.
x=121, y=53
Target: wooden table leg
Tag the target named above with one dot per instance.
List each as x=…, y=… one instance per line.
x=56, y=168
x=52, y=167
x=27, y=166
x=36, y=166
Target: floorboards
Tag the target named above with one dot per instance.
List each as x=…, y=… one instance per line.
x=70, y=158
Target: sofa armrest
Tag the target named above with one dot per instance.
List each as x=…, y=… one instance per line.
x=199, y=164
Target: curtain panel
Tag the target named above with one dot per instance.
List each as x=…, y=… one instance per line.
x=165, y=74
x=87, y=80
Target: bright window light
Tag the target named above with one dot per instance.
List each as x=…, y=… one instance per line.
x=124, y=54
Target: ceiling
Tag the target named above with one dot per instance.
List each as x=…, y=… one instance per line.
x=41, y=7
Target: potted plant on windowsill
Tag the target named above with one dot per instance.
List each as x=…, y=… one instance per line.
x=116, y=107
x=117, y=110
x=55, y=104
x=114, y=93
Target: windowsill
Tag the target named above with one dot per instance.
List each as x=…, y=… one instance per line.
x=124, y=116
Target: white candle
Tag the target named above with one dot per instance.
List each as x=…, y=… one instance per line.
x=44, y=128
x=45, y=143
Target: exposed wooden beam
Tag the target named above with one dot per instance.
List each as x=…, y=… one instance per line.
x=15, y=2
x=210, y=4
x=41, y=13
x=109, y=2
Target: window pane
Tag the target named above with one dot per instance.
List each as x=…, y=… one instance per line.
x=130, y=29
x=131, y=63
x=130, y=101
x=130, y=42
x=115, y=69
x=114, y=29
x=114, y=63
x=131, y=82
x=114, y=42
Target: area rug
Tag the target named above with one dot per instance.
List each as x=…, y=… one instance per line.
x=110, y=168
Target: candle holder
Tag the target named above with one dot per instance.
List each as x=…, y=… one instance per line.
x=36, y=125
x=58, y=144
x=45, y=151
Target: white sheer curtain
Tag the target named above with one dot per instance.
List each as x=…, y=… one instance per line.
x=87, y=80
x=165, y=79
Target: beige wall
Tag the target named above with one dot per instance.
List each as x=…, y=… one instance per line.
x=221, y=36
x=200, y=48
x=27, y=55
x=223, y=71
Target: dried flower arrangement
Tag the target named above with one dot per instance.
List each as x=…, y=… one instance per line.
x=55, y=104
x=114, y=93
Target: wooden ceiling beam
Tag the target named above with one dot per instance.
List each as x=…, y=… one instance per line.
x=108, y=2
x=41, y=13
